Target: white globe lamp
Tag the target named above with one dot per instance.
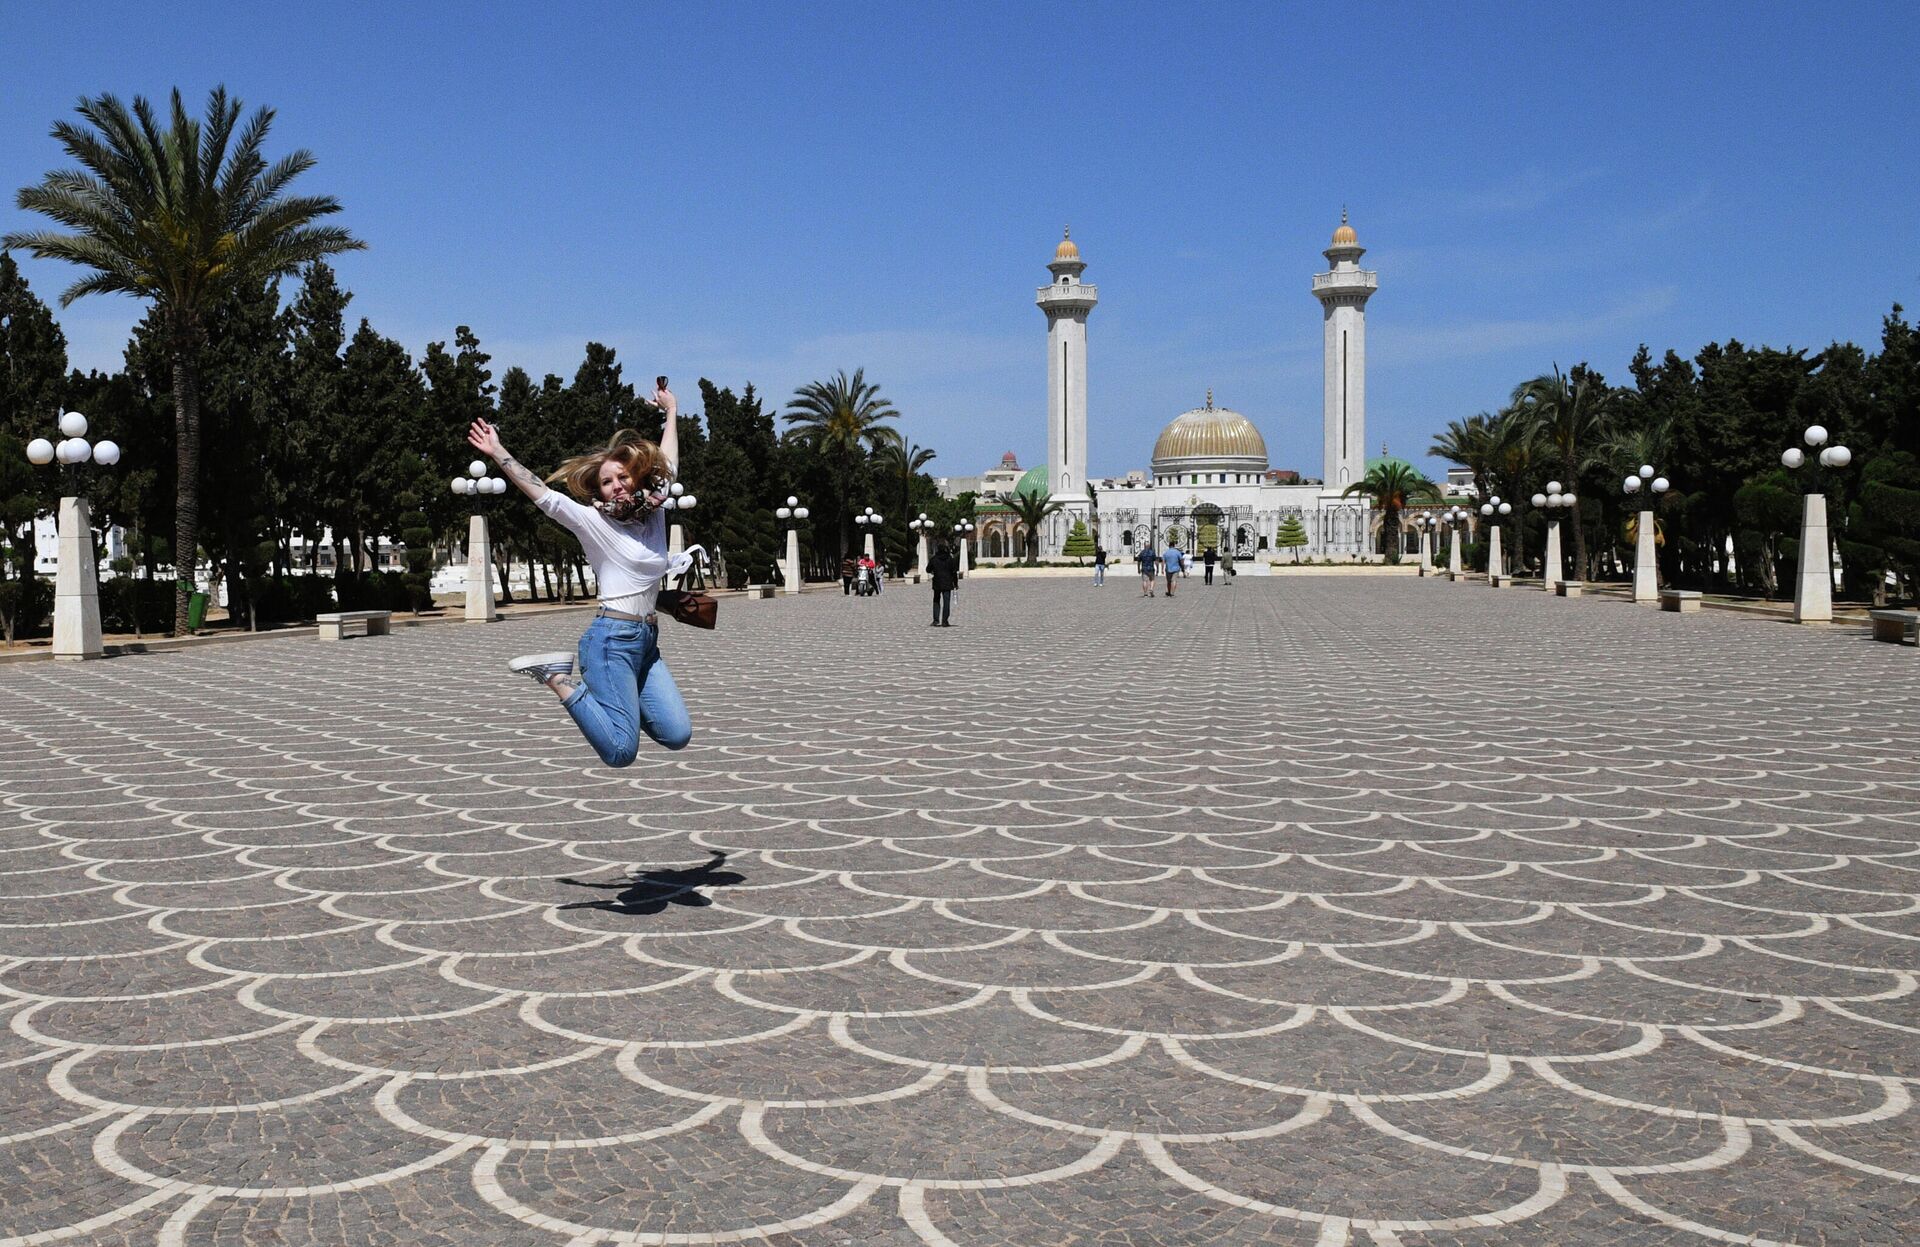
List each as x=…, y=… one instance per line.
x=73, y=424
x=40, y=452
x=106, y=454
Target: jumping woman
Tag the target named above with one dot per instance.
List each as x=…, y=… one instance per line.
x=624, y=688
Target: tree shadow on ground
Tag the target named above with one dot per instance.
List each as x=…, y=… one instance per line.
x=650, y=891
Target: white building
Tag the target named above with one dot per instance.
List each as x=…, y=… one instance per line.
x=1210, y=482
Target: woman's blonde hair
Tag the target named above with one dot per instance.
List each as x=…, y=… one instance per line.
x=641, y=458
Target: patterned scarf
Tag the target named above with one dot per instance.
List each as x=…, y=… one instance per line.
x=634, y=506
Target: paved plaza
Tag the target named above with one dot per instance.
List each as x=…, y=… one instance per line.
x=1311, y=911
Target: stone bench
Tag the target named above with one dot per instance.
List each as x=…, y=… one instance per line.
x=1681, y=600
x=334, y=625
x=1895, y=626
x=1499, y=580
x=1567, y=588
x=760, y=591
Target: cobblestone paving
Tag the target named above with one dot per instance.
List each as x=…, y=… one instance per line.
x=1391, y=913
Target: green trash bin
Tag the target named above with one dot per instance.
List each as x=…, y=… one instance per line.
x=196, y=610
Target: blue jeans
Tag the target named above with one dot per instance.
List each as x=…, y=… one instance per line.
x=625, y=689
x=1099, y=573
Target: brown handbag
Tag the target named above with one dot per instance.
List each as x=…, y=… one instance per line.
x=689, y=606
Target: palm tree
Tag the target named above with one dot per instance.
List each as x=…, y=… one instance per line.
x=1032, y=510
x=839, y=420
x=901, y=461
x=1570, y=412
x=1392, y=485
x=1467, y=443
x=182, y=218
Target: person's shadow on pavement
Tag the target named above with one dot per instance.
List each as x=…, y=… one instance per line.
x=650, y=891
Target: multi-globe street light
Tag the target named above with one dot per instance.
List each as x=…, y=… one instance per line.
x=869, y=523
x=76, y=579
x=1813, y=587
x=923, y=530
x=964, y=532
x=476, y=483
x=1493, y=508
x=1552, y=573
x=1646, y=568
x=1454, y=518
x=1423, y=526
x=792, y=513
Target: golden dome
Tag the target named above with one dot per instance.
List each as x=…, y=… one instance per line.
x=1066, y=250
x=1210, y=433
x=1344, y=236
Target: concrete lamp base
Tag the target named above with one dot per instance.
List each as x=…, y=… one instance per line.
x=76, y=586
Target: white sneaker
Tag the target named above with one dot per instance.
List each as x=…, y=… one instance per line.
x=543, y=667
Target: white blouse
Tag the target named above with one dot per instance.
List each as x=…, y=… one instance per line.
x=629, y=560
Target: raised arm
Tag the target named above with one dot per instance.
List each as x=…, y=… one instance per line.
x=485, y=438
x=669, y=424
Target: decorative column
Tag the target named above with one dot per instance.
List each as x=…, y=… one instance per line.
x=1453, y=548
x=1426, y=550
x=964, y=532
x=1813, y=582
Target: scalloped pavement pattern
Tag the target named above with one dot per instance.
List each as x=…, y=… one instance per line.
x=1307, y=911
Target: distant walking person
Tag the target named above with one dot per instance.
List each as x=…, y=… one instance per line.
x=847, y=569
x=1212, y=557
x=1175, y=562
x=1099, y=565
x=1226, y=564
x=624, y=688
x=1146, y=560
x=944, y=570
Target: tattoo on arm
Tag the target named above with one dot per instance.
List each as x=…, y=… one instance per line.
x=525, y=481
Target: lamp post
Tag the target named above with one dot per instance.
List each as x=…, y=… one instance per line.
x=923, y=529
x=1455, y=518
x=1813, y=585
x=475, y=483
x=791, y=512
x=1646, y=568
x=869, y=522
x=964, y=531
x=1552, y=574
x=76, y=582
x=1423, y=525
x=1493, y=509
x=677, y=499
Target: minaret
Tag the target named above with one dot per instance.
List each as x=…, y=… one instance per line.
x=1066, y=302
x=1343, y=295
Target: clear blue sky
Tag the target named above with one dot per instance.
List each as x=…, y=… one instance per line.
x=768, y=193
